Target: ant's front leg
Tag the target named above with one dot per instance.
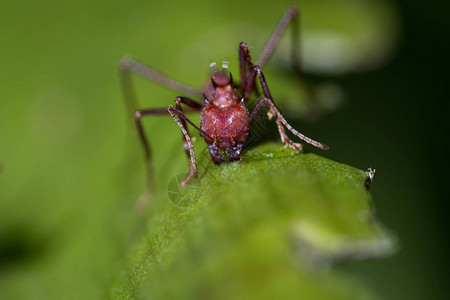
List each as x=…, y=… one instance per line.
x=181, y=120
x=273, y=112
x=186, y=137
x=194, y=106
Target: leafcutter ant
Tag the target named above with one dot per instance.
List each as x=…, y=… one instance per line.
x=225, y=119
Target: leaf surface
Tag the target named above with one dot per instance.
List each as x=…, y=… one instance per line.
x=268, y=226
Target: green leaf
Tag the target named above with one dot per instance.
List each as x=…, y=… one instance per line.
x=265, y=227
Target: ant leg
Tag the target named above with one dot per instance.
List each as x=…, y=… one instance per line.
x=195, y=105
x=289, y=16
x=247, y=82
x=280, y=122
x=273, y=111
x=181, y=121
x=147, y=150
x=158, y=111
x=244, y=61
x=244, y=56
x=127, y=64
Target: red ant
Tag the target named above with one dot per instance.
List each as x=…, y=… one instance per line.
x=225, y=120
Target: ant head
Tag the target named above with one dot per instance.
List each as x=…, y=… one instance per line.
x=221, y=77
x=220, y=91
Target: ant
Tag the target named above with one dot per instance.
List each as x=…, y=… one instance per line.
x=225, y=119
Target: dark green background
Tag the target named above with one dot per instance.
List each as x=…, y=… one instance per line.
x=66, y=184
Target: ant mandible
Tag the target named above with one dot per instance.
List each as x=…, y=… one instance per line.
x=225, y=120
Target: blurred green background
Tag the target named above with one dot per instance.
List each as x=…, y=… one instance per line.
x=71, y=168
